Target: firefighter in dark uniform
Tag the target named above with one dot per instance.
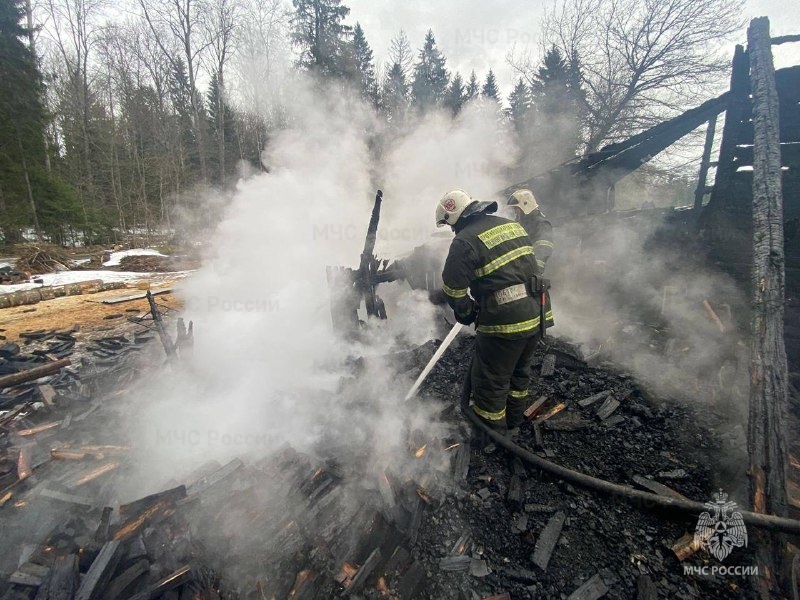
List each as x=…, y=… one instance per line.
x=487, y=280
x=539, y=229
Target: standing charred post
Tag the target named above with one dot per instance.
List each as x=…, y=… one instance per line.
x=766, y=436
x=705, y=163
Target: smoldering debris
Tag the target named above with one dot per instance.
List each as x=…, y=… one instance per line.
x=634, y=290
x=425, y=516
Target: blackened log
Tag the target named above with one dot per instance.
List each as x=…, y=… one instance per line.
x=64, y=578
x=461, y=466
x=166, y=341
x=607, y=408
x=415, y=520
x=592, y=399
x=100, y=572
x=34, y=373
x=766, y=436
x=593, y=589
x=173, y=494
x=538, y=440
x=101, y=533
x=783, y=39
x=170, y=582
x=547, y=540
x=160, y=510
x=364, y=571
x=533, y=409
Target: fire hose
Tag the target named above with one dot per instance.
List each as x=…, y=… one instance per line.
x=639, y=498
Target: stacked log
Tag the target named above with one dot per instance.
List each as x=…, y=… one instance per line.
x=35, y=295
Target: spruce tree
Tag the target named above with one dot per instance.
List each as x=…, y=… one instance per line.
x=473, y=88
x=455, y=95
x=429, y=86
x=490, y=89
x=364, y=67
x=556, y=95
x=320, y=35
x=519, y=105
x=221, y=127
x=22, y=121
x=395, y=95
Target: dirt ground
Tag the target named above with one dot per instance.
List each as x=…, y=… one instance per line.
x=87, y=311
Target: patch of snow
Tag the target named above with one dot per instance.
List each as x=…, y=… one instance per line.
x=116, y=257
x=77, y=276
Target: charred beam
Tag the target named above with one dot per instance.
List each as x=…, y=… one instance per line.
x=34, y=373
x=766, y=436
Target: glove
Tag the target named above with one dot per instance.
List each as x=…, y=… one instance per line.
x=468, y=316
x=437, y=297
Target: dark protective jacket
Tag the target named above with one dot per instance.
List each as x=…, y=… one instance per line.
x=490, y=254
x=541, y=233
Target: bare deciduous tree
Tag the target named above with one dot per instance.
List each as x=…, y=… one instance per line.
x=640, y=60
x=177, y=27
x=222, y=16
x=261, y=63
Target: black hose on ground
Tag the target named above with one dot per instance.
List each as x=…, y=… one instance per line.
x=639, y=498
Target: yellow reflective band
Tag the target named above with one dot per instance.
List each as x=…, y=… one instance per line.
x=503, y=260
x=541, y=263
x=489, y=416
x=510, y=328
x=502, y=233
x=543, y=243
x=454, y=293
x=548, y=315
x=518, y=393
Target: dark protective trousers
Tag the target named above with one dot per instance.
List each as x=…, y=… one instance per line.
x=500, y=375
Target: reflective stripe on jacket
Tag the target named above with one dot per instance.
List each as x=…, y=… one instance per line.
x=488, y=254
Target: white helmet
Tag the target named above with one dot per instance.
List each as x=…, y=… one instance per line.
x=524, y=200
x=458, y=203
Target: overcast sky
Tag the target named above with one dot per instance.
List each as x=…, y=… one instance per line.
x=476, y=34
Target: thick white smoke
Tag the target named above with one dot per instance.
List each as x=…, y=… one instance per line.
x=267, y=363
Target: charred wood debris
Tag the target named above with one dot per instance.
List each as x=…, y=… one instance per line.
x=452, y=519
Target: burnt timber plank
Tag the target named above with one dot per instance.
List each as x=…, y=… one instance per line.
x=607, y=408
x=593, y=589
x=205, y=483
x=547, y=540
x=174, y=494
x=657, y=488
x=592, y=399
x=126, y=579
x=100, y=572
x=360, y=578
x=64, y=579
